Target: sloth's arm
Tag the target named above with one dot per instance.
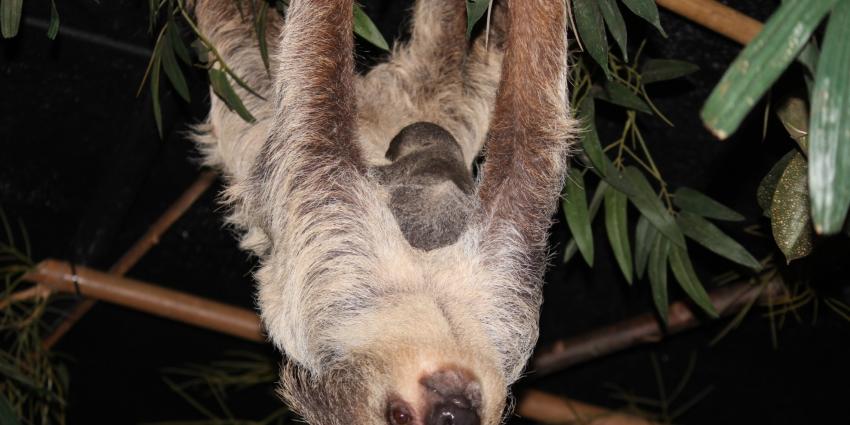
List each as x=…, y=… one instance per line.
x=529, y=134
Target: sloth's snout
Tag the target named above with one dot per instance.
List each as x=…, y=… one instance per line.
x=454, y=398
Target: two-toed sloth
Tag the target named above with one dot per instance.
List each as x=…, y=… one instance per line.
x=400, y=289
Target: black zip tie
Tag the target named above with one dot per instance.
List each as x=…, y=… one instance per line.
x=76, y=279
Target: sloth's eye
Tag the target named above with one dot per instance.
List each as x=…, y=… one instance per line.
x=399, y=414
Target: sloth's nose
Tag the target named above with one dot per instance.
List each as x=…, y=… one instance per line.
x=453, y=410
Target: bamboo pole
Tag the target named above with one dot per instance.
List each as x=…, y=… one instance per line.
x=168, y=303
x=137, y=251
x=717, y=17
x=645, y=328
x=550, y=409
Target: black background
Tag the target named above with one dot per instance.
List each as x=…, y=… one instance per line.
x=82, y=166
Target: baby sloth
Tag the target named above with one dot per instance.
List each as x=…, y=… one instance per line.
x=400, y=289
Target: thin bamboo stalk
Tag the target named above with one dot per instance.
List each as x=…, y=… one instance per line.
x=717, y=17
x=137, y=251
x=550, y=409
x=168, y=303
x=645, y=328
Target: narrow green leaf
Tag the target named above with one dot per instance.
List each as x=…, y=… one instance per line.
x=616, y=25
x=615, y=92
x=10, y=17
x=808, y=57
x=591, y=31
x=475, y=10
x=173, y=72
x=829, y=154
x=647, y=10
x=709, y=236
x=176, y=41
x=364, y=27
x=658, y=274
x=655, y=70
x=222, y=87
x=261, y=24
x=789, y=210
x=767, y=187
x=633, y=183
x=616, y=225
x=590, y=137
x=645, y=236
x=696, y=202
x=7, y=413
x=595, y=203
x=761, y=62
x=575, y=211
x=53, y=27
x=156, y=65
x=793, y=113
x=684, y=272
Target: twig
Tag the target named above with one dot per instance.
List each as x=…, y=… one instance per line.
x=645, y=328
x=547, y=408
x=716, y=17
x=34, y=292
x=138, y=250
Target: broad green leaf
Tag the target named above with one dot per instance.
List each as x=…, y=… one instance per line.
x=156, y=66
x=696, y=202
x=10, y=17
x=222, y=87
x=655, y=70
x=575, y=211
x=684, y=272
x=647, y=10
x=658, y=274
x=633, y=183
x=475, y=10
x=364, y=27
x=616, y=225
x=590, y=137
x=260, y=26
x=789, y=211
x=53, y=26
x=767, y=187
x=591, y=31
x=618, y=94
x=645, y=236
x=595, y=203
x=7, y=413
x=761, y=63
x=616, y=25
x=173, y=72
x=176, y=41
x=794, y=115
x=829, y=152
x=708, y=235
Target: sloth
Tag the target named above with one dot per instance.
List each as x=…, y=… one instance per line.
x=401, y=282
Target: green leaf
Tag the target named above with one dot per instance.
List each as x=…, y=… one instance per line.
x=364, y=27
x=655, y=70
x=684, y=272
x=696, y=202
x=829, y=152
x=591, y=31
x=616, y=25
x=173, y=72
x=156, y=65
x=789, y=210
x=767, y=187
x=616, y=225
x=590, y=138
x=647, y=10
x=808, y=57
x=475, y=10
x=10, y=17
x=575, y=211
x=658, y=274
x=633, y=183
x=595, y=203
x=53, y=26
x=7, y=413
x=645, y=236
x=176, y=41
x=222, y=87
x=618, y=94
x=794, y=115
x=761, y=63
x=709, y=236
x=260, y=25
